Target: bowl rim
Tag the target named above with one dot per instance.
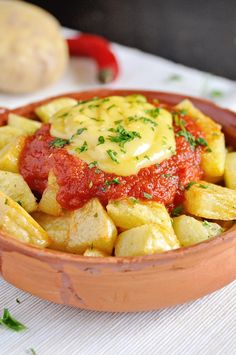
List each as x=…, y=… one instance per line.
x=160, y=258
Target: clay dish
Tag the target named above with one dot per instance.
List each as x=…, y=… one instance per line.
x=124, y=284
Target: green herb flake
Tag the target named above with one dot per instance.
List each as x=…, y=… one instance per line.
x=147, y=195
x=11, y=323
x=83, y=148
x=191, y=183
x=113, y=155
x=206, y=224
x=154, y=113
x=122, y=136
x=203, y=186
x=93, y=164
x=118, y=121
x=166, y=175
x=216, y=94
x=114, y=181
x=110, y=107
x=19, y=203
x=101, y=140
x=59, y=143
x=177, y=211
x=174, y=77
x=147, y=157
x=95, y=215
x=134, y=200
x=201, y=141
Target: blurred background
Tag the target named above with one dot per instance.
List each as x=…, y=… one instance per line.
x=200, y=34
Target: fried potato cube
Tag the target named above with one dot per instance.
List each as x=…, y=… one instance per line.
x=9, y=155
x=210, y=201
x=127, y=213
x=190, y=231
x=26, y=125
x=16, y=222
x=90, y=226
x=14, y=186
x=230, y=170
x=56, y=227
x=213, y=158
x=7, y=133
x=48, y=203
x=94, y=252
x=45, y=112
x=143, y=240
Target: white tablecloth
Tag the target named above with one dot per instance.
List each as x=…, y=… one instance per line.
x=206, y=326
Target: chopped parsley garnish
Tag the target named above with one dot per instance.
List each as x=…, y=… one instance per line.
x=166, y=175
x=147, y=157
x=133, y=200
x=83, y=148
x=93, y=164
x=147, y=195
x=9, y=322
x=154, y=113
x=174, y=77
x=203, y=186
x=114, y=181
x=216, y=93
x=113, y=155
x=95, y=215
x=201, y=141
x=191, y=183
x=59, y=143
x=177, y=211
x=183, y=112
x=122, y=136
x=31, y=351
x=78, y=133
x=118, y=121
x=180, y=122
x=110, y=107
x=19, y=202
x=143, y=119
x=206, y=224
x=101, y=140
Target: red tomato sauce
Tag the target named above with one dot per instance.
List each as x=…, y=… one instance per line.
x=78, y=182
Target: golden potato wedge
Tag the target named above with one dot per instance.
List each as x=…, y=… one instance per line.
x=190, y=231
x=48, y=203
x=9, y=155
x=94, y=252
x=143, y=240
x=127, y=213
x=230, y=171
x=45, y=112
x=210, y=201
x=213, y=161
x=56, y=227
x=90, y=226
x=16, y=222
x=25, y=124
x=7, y=133
x=14, y=186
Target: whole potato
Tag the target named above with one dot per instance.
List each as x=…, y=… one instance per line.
x=33, y=54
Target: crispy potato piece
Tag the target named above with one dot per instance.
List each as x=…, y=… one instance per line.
x=143, y=240
x=211, y=201
x=128, y=214
x=230, y=170
x=14, y=186
x=26, y=125
x=7, y=133
x=45, y=112
x=94, y=252
x=213, y=162
x=9, y=155
x=190, y=231
x=56, y=227
x=90, y=226
x=16, y=222
x=48, y=203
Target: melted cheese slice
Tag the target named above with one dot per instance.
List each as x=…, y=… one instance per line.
x=121, y=134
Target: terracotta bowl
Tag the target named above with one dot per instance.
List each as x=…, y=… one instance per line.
x=125, y=284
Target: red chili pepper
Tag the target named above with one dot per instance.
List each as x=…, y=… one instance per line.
x=98, y=48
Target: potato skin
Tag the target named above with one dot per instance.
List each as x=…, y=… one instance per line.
x=33, y=52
